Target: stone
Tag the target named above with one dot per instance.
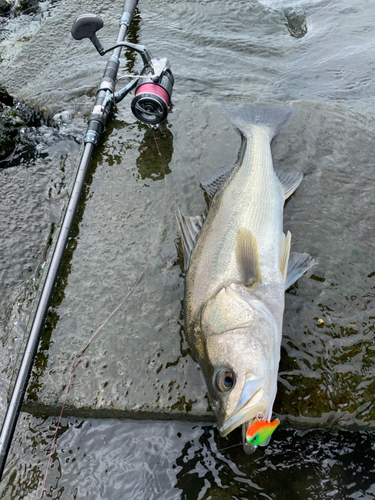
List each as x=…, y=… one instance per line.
x=5, y=6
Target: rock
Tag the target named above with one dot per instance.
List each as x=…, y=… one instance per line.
x=10, y=128
x=5, y=98
x=18, y=7
x=26, y=6
x=25, y=133
x=5, y=6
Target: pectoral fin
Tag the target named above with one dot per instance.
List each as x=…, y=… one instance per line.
x=284, y=254
x=299, y=263
x=248, y=257
x=289, y=182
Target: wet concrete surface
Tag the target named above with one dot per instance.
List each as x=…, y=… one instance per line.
x=140, y=365
x=243, y=52
x=33, y=193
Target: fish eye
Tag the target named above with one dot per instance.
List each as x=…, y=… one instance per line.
x=225, y=380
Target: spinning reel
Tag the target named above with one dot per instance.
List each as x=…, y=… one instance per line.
x=153, y=87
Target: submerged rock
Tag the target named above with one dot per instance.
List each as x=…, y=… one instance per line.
x=26, y=133
x=10, y=126
x=296, y=22
x=5, y=6
x=17, y=7
x=25, y=6
x=11, y=129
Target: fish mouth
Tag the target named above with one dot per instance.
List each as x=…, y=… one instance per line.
x=253, y=400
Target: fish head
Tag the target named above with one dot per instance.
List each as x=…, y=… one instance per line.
x=240, y=365
x=238, y=381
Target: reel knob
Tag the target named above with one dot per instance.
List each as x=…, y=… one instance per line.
x=86, y=26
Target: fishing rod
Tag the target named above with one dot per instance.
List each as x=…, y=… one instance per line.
x=153, y=90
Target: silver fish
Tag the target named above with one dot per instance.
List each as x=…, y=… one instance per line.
x=239, y=264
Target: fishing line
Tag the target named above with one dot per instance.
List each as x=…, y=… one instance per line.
x=122, y=77
x=232, y=446
x=77, y=356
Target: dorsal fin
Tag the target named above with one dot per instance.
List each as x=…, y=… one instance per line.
x=214, y=181
x=284, y=254
x=248, y=257
x=298, y=264
x=289, y=182
x=189, y=229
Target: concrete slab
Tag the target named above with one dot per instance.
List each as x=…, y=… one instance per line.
x=140, y=365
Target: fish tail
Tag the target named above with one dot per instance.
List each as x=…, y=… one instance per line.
x=244, y=117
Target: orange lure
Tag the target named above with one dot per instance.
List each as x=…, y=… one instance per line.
x=260, y=430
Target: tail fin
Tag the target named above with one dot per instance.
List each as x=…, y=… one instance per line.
x=244, y=117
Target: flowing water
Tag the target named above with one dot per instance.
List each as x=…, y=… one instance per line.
x=315, y=55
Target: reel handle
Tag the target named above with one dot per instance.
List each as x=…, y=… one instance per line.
x=153, y=94
x=86, y=26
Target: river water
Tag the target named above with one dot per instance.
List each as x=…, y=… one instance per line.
x=316, y=55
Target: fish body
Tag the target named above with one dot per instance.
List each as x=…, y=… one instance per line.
x=237, y=272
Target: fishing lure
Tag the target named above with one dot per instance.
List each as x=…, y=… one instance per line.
x=260, y=431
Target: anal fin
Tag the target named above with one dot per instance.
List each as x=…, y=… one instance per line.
x=298, y=264
x=289, y=182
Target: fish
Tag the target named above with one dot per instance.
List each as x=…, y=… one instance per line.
x=238, y=264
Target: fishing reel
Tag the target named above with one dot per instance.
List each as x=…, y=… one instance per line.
x=153, y=93
x=154, y=85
